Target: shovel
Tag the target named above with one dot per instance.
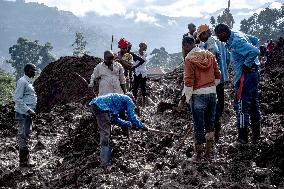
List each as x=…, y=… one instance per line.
x=162, y=132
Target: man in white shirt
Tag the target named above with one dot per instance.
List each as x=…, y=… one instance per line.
x=25, y=100
x=110, y=75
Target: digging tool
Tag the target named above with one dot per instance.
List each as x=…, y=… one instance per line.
x=159, y=131
x=162, y=132
x=111, y=42
x=85, y=86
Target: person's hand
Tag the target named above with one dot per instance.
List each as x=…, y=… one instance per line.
x=90, y=85
x=246, y=69
x=187, y=91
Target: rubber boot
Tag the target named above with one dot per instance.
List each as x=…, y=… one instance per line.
x=24, y=159
x=243, y=135
x=105, y=155
x=209, y=144
x=198, y=152
x=255, y=134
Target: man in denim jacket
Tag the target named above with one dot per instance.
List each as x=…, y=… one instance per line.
x=107, y=108
x=25, y=103
x=244, y=50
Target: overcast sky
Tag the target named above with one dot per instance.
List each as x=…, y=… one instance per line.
x=146, y=8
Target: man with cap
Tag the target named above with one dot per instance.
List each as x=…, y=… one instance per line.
x=222, y=55
x=201, y=74
x=245, y=52
x=107, y=108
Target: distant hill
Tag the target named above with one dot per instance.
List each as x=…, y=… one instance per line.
x=39, y=22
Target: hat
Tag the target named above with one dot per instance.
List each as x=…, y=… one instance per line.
x=202, y=28
x=123, y=43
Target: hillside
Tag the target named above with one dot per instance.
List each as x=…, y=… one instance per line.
x=46, y=24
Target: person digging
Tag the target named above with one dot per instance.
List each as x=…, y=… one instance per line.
x=106, y=109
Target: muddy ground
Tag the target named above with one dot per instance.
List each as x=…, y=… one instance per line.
x=64, y=146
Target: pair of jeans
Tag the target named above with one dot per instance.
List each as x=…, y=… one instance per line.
x=24, y=124
x=104, y=126
x=139, y=81
x=203, y=111
x=247, y=104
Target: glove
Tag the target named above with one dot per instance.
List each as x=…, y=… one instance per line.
x=217, y=81
x=187, y=91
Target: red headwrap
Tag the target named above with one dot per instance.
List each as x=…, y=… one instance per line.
x=123, y=43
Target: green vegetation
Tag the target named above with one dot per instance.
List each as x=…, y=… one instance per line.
x=26, y=51
x=225, y=18
x=268, y=24
x=79, y=45
x=161, y=58
x=7, y=87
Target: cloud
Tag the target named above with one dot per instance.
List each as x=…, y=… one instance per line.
x=143, y=17
x=172, y=22
x=173, y=8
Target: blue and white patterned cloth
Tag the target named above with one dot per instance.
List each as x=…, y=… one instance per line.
x=115, y=103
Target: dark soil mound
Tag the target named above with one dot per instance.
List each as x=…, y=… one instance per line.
x=7, y=121
x=65, y=81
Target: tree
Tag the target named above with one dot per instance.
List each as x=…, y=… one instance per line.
x=213, y=21
x=7, y=87
x=25, y=52
x=268, y=24
x=161, y=58
x=46, y=56
x=226, y=18
x=79, y=45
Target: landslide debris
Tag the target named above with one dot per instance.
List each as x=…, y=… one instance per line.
x=64, y=81
x=65, y=147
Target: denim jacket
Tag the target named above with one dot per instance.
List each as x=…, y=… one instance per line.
x=244, y=50
x=217, y=48
x=115, y=103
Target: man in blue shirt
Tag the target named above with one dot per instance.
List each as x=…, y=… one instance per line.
x=222, y=56
x=107, y=108
x=244, y=50
x=25, y=103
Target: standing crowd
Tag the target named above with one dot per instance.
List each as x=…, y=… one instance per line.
x=120, y=76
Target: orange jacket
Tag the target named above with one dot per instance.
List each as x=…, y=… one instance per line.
x=200, y=69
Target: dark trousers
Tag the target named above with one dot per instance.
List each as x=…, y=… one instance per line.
x=219, y=106
x=104, y=126
x=24, y=123
x=246, y=105
x=139, y=81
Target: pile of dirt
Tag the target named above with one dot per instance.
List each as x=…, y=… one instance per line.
x=65, y=147
x=272, y=79
x=65, y=81
x=7, y=121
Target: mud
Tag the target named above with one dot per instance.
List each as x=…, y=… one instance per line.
x=65, y=145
